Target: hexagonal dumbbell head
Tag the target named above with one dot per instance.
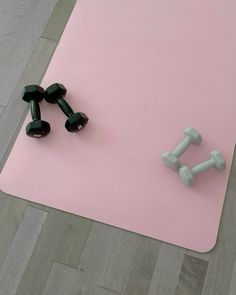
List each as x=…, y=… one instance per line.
x=216, y=160
x=55, y=91
x=194, y=135
x=38, y=129
x=171, y=159
x=76, y=122
x=186, y=175
x=33, y=92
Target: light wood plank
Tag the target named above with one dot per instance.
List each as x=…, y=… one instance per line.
x=17, y=258
x=6, y=12
x=94, y=257
x=19, y=40
x=41, y=261
x=101, y=241
x=223, y=256
x=74, y=241
x=2, y=201
x=13, y=116
x=142, y=269
x=192, y=276
x=11, y=215
x=2, y=108
x=61, y=280
x=167, y=270
x=232, y=289
x=119, y=260
x=58, y=19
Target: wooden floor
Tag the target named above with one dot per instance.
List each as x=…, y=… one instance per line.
x=46, y=251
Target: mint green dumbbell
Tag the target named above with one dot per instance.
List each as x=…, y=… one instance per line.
x=171, y=159
x=216, y=160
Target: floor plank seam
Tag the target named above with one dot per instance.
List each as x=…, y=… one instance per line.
x=37, y=208
x=45, y=283
x=108, y=289
x=64, y=264
x=2, y=110
x=35, y=205
x=50, y=39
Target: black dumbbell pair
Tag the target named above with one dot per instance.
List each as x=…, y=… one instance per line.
x=55, y=93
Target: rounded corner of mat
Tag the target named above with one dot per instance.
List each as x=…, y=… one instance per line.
x=208, y=247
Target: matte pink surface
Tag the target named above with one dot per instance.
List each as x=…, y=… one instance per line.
x=142, y=70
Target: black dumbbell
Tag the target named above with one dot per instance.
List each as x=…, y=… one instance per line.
x=55, y=94
x=33, y=94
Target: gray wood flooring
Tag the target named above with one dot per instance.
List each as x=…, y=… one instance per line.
x=46, y=251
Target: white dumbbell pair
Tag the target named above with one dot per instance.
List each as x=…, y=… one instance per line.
x=171, y=159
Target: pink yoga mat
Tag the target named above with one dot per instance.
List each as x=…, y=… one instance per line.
x=142, y=70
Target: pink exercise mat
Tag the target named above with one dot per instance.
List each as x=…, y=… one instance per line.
x=142, y=70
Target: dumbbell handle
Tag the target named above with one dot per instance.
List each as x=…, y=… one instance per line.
x=65, y=107
x=203, y=166
x=35, y=110
x=182, y=146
